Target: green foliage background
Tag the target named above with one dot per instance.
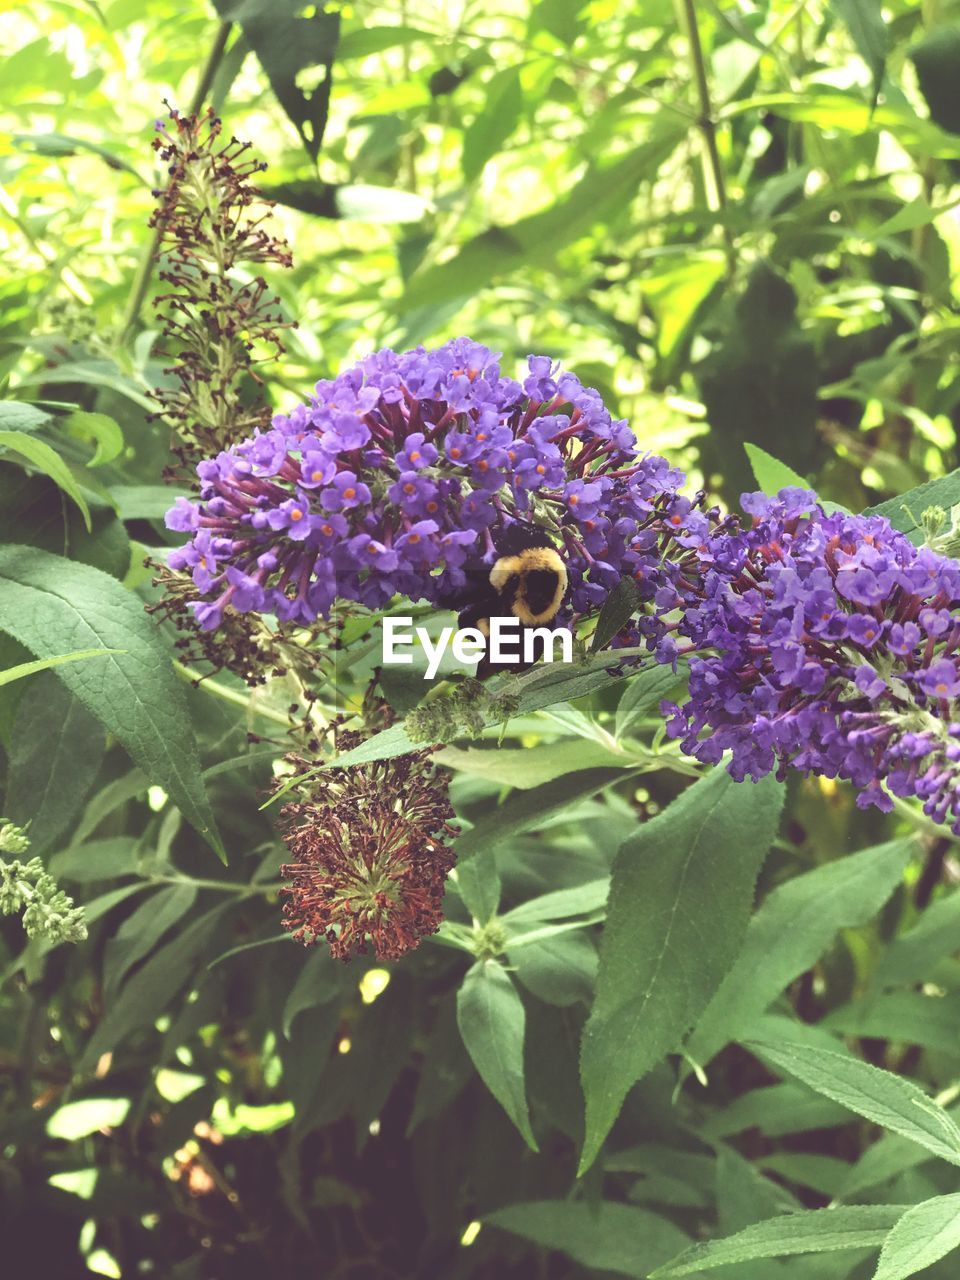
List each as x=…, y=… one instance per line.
x=739, y=222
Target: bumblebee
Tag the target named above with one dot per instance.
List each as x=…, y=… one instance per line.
x=528, y=580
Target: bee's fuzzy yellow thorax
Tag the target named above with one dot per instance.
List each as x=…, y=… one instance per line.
x=533, y=581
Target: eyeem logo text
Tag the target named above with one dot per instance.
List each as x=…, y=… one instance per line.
x=507, y=643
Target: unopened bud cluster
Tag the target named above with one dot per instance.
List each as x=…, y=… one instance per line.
x=28, y=888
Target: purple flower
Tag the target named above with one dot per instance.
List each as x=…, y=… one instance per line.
x=398, y=474
x=345, y=492
x=808, y=633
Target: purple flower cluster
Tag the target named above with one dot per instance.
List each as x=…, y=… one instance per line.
x=397, y=475
x=828, y=643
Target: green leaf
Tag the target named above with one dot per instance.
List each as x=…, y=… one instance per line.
x=602, y=195
x=618, y=608
x=680, y=899
x=832, y=109
x=602, y=1237
x=775, y=1110
x=560, y=970
x=912, y=956
x=903, y=1017
x=580, y=900
x=644, y=693
x=101, y=430
x=771, y=474
x=760, y=381
x=526, y=767
x=54, y=759
x=491, y=1019
x=44, y=664
x=865, y=21
x=526, y=809
x=145, y=995
x=925, y=1234
x=47, y=460
x=22, y=417
x=96, y=860
x=678, y=295
x=368, y=40
x=479, y=886
x=142, y=930
x=791, y=930
x=816, y=1231
x=904, y=512
x=288, y=45
x=318, y=982
x=144, y=501
x=33, y=513
x=891, y=1101
x=50, y=605
x=494, y=122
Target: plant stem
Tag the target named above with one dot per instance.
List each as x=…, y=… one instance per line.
x=141, y=281
x=713, y=167
x=220, y=886
x=238, y=699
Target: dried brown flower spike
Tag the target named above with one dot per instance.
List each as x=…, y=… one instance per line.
x=370, y=856
x=210, y=219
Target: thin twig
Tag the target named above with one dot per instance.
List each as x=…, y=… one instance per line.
x=706, y=122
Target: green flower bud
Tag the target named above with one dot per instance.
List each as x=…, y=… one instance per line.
x=13, y=839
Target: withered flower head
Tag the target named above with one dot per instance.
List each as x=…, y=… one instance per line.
x=370, y=858
x=210, y=220
x=246, y=643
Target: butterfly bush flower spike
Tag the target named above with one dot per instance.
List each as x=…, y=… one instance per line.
x=827, y=642
x=395, y=476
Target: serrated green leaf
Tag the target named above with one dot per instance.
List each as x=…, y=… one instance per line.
x=680, y=900
x=54, y=759
x=791, y=930
x=40, y=455
x=816, y=1231
x=891, y=1101
x=925, y=1234
x=50, y=605
x=492, y=1022
x=608, y=1236
x=526, y=809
